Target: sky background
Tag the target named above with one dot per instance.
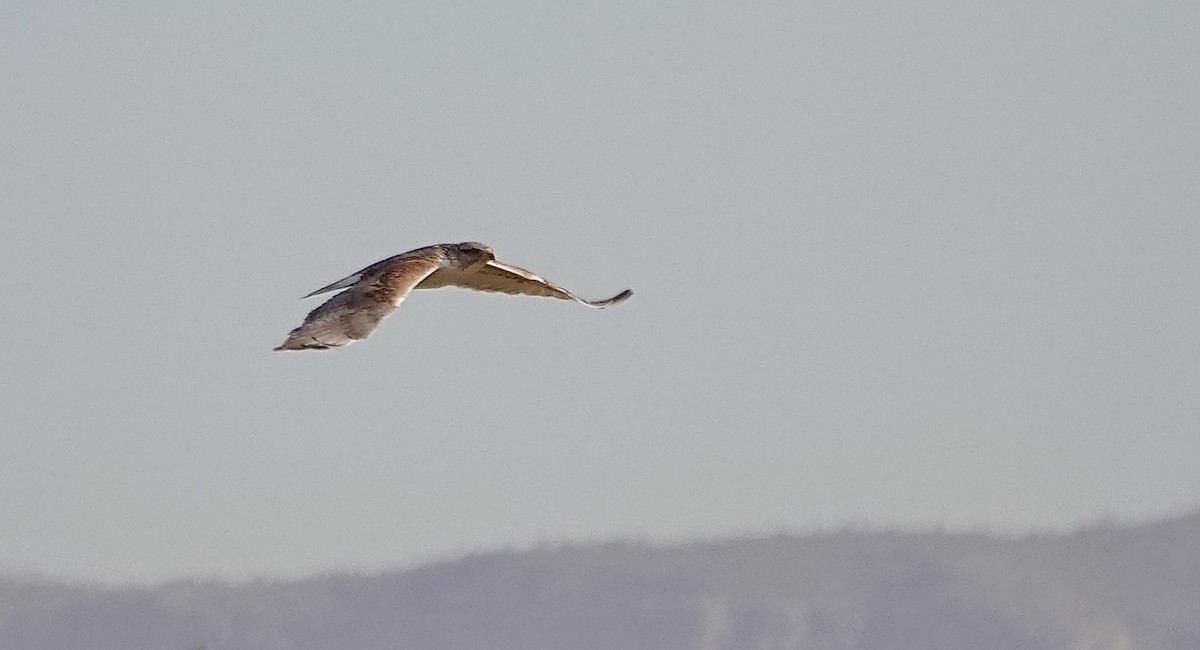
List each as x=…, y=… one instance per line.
x=896, y=265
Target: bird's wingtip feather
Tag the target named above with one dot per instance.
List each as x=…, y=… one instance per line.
x=619, y=298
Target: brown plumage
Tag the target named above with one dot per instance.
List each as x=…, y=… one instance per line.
x=375, y=291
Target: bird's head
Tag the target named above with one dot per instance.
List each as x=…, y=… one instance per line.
x=470, y=253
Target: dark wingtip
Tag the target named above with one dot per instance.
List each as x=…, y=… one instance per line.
x=620, y=297
x=290, y=345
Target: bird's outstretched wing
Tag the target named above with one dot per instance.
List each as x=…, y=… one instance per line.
x=350, y=280
x=353, y=314
x=506, y=278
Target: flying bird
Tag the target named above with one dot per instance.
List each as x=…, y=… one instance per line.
x=374, y=292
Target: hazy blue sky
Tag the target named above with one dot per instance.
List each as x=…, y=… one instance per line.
x=897, y=264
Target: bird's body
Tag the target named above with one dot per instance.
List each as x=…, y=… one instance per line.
x=374, y=292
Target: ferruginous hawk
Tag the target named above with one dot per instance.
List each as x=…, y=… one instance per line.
x=374, y=292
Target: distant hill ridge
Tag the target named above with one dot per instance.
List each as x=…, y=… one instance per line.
x=1102, y=588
